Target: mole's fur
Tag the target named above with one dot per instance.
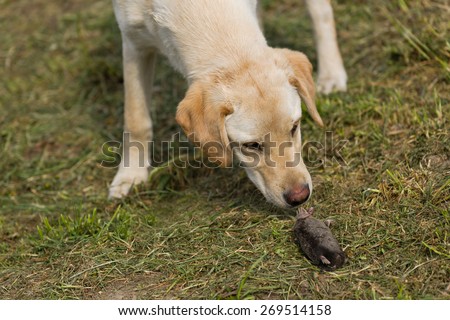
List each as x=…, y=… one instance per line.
x=317, y=242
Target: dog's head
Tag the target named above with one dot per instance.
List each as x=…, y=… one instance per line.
x=253, y=111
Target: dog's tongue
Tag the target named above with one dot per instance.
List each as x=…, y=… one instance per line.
x=303, y=214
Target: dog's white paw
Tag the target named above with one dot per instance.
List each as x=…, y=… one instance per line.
x=125, y=179
x=332, y=79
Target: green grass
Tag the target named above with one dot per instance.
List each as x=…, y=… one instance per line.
x=208, y=233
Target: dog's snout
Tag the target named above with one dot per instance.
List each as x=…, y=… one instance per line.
x=297, y=195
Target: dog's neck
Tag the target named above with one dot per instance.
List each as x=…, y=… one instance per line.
x=233, y=24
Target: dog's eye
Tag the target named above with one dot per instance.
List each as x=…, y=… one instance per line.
x=252, y=146
x=294, y=129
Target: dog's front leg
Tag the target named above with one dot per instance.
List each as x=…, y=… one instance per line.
x=138, y=69
x=332, y=75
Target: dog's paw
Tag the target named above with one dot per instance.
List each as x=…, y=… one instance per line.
x=125, y=179
x=332, y=79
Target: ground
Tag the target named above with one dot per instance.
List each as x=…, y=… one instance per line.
x=208, y=233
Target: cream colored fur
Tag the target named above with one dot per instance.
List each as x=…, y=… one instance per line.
x=240, y=88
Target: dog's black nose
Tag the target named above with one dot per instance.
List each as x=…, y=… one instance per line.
x=297, y=195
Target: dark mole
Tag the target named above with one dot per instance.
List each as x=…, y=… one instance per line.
x=317, y=242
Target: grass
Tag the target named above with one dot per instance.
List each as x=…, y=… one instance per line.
x=208, y=233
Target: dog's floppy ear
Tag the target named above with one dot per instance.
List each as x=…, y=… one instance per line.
x=302, y=80
x=204, y=124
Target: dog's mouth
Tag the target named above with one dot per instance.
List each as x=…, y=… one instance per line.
x=292, y=198
x=277, y=201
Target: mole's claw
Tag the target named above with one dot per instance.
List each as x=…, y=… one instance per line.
x=328, y=222
x=303, y=214
x=324, y=260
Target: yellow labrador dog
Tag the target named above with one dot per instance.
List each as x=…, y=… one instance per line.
x=244, y=97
